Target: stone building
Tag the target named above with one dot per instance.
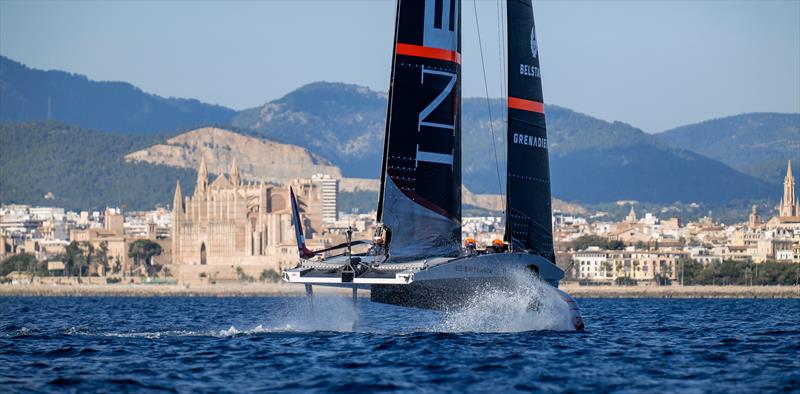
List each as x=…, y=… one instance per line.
x=230, y=226
x=112, y=235
x=790, y=206
x=607, y=265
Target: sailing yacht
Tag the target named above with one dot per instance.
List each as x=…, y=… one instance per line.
x=416, y=259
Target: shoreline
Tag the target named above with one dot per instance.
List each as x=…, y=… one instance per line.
x=168, y=290
x=699, y=292
x=281, y=289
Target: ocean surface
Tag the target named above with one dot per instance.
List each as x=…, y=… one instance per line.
x=257, y=344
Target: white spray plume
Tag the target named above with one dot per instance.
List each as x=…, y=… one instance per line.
x=527, y=304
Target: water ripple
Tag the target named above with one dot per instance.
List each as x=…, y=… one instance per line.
x=277, y=344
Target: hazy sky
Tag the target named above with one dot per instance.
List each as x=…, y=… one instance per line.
x=655, y=65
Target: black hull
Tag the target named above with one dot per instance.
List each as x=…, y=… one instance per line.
x=443, y=295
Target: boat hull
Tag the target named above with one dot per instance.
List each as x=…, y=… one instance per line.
x=455, y=284
x=443, y=283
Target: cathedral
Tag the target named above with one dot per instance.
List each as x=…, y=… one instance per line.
x=230, y=226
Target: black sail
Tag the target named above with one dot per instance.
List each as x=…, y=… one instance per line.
x=421, y=179
x=529, y=214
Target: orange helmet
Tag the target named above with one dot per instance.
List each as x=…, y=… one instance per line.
x=497, y=242
x=470, y=242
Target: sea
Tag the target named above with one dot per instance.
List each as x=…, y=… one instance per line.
x=496, y=344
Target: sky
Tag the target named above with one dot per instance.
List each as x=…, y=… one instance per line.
x=653, y=64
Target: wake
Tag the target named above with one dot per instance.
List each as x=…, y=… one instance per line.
x=527, y=304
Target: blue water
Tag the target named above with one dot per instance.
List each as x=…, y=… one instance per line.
x=197, y=344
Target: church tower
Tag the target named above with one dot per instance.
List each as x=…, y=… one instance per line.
x=202, y=178
x=755, y=218
x=177, y=200
x=235, y=178
x=789, y=204
x=631, y=218
x=177, y=218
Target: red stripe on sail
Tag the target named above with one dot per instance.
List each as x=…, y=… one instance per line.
x=428, y=52
x=525, y=105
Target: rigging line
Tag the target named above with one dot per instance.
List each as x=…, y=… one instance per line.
x=502, y=54
x=488, y=101
x=501, y=29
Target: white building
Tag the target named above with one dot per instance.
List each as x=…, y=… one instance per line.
x=330, y=193
x=589, y=264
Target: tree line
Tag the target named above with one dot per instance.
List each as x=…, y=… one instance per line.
x=744, y=273
x=83, y=259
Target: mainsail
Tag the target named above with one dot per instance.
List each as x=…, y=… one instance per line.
x=421, y=174
x=528, y=217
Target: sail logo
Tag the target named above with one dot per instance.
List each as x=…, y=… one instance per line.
x=422, y=120
x=529, y=71
x=534, y=45
x=440, y=24
x=529, y=140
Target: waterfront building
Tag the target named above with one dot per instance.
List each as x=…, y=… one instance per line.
x=230, y=226
x=591, y=264
x=110, y=236
x=600, y=265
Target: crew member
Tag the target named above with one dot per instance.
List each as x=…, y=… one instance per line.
x=497, y=246
x=470, y=247
x=380, y=243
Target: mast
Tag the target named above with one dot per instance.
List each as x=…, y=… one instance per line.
x=529, y=213
x=388, y=115
x=420, y=199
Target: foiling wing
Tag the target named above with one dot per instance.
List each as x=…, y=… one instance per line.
x=421, y=176
x=529, y=212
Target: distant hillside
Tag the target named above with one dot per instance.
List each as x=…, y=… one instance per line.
x=592, y=160
x=343, y=123
x=83, y=169
x=257, y=159
x=28, y=94
x=757, y=144
x=87, y=169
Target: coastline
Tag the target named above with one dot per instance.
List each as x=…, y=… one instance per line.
x=282, y=289
x=650, y=291
x=168, y=290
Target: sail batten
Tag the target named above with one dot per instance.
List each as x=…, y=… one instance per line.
x=421, y=174
x=528, y=199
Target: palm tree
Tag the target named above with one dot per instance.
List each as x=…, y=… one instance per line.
x=606, y=267
x=142, y=251
x=75, y=258
x=102, y=255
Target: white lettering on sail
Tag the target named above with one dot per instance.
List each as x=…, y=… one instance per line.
x=437, y=101
x=433, y=157
x=529, y=140
x=436, y=157
x=529, y=71
x=441, y=24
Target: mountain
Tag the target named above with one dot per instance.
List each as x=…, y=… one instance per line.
x=343, y=123
x=591, y=160
x=257, y=159
x=757, y=144
x=88, y=169
x=29, y=94
x=83, y=169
